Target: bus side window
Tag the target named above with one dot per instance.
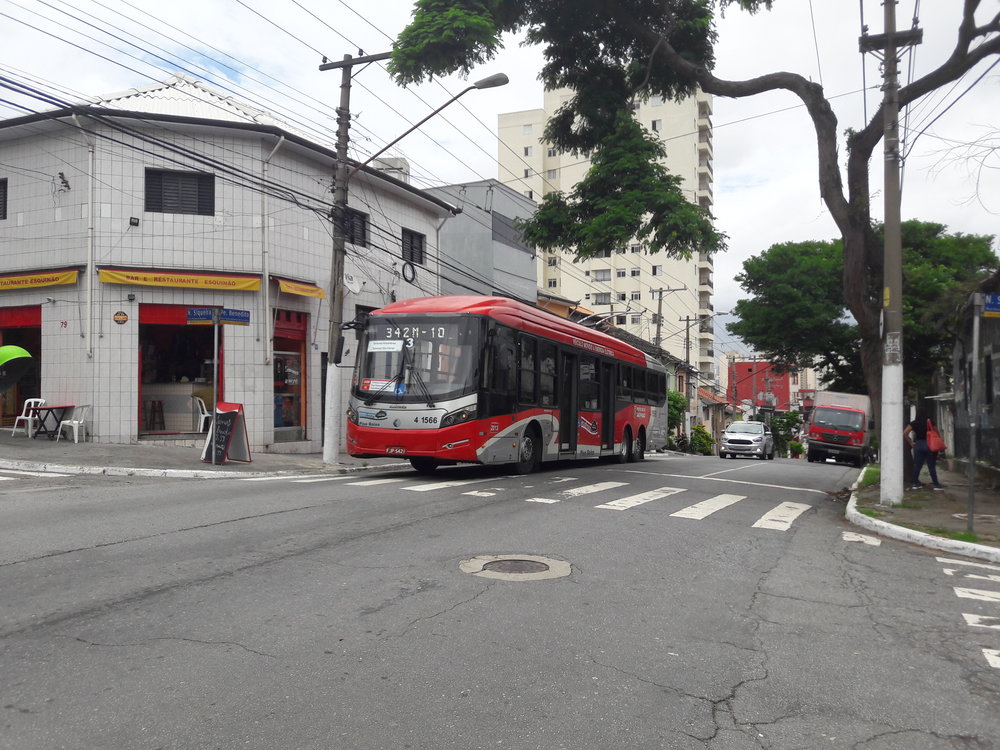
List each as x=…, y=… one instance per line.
x=547, y=373
x=624, y=382
x=527, y=350
x=503, y=374
x=589, y=385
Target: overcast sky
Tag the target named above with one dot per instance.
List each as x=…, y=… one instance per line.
x=766, y=188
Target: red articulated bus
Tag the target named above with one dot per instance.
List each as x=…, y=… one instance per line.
x=489, y=380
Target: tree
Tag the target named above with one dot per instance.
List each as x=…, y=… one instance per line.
x=676, y=406
x=797, y=316
x=610, y=52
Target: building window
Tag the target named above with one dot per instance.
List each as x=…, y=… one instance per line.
x=635, y=248
x=586, y=296
x=656, y=270
x=635, y=106
x=620, y=273
x=552, y=283
x=3, y=199
x=529, y=194
x=620, y=251
x=655, y=100
x=604, y=298
x=604, y=254
x=657, y=125
x=635, y=320
x=634, y=272
x=527, y=150
x=180, y=192
x=356, y=227
x=413, y=247
x=621, y=296
x=620, y=320
x=552, y=261
x=526, y=129
x=552, y=153
x=636, y=295
x=602, y=274
x=552, y=174
x=527, y=173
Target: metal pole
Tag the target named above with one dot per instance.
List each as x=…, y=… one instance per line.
x=215, y=379
x=970, y=510
x=659, y=316
x=891, y=486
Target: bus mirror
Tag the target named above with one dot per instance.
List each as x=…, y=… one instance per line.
x=338, y=354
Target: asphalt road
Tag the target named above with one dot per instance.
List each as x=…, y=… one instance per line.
x=704, y=604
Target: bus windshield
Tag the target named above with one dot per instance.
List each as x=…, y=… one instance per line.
x=418, y=358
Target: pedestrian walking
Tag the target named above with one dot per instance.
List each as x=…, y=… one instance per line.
x=915, y=434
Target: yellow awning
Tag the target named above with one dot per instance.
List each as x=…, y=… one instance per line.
x=303, y=288
x=26, y=280
x=225, y=282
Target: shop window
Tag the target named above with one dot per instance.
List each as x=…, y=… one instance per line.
x=3, y=198
x=180, y=192
x=413, y=247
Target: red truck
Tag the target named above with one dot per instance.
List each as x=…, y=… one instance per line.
x=840, y=427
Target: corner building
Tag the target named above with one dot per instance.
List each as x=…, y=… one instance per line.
x=656, y=298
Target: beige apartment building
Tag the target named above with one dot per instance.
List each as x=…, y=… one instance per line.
x=659, y=299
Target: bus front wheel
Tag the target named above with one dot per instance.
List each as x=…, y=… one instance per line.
x=530, y=452
x=424, y=465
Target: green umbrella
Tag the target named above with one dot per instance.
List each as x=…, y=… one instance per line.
x=14, y=362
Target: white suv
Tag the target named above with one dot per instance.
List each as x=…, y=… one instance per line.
x=747, y=439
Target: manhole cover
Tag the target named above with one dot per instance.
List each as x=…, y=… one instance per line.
x=516, y=566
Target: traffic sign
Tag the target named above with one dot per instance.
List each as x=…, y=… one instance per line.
x=991, y=305
x=210, y=315
x=235, y=317
x=200, y=315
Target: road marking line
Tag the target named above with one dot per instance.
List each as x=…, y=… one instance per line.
x=317, y=479
x=591, y=489
x=987, y=566
x=6, y=479
x=484, y=493
x=446, y=485
x=706, y=508
x=710, y=478
x=32, y=473
x=284, y=477
x=781, y=517
x=851, y=536
x=372, y=482
x=540, y=500
x=992, y=657
x=632, y=501
x=982, y=621
x=978, y=595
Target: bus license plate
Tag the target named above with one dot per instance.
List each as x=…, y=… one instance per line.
x=395, y=450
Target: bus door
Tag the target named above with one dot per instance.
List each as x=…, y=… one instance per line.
x=568, y=378
x=607, y=405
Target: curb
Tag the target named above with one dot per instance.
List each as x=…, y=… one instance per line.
x=124, y=471
x=903, y=534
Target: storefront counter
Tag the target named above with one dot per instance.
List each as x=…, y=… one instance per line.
x=180, y=412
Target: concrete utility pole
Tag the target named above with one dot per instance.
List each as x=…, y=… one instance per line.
x=891, y=487
x=332, y=413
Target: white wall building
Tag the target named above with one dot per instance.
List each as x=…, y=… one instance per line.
x=117, y=217
x=631, y=284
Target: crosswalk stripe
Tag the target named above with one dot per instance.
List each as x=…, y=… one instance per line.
x=313, y=480
x=5, y=479
x=978, y=595
x=782, y=517
x=445, y=485
x=851, y=536
x=982, y=621
x=992, y=657
x=625, y=503
x=968, y=563
x=705, y=508
x=973, y=576
x=373, y=482
x=577, y=492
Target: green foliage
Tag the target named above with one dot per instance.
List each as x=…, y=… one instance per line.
x=676, y=406
x=701, y=441
x=594, y=48
x=797, y=315
x=626, y=195
x=784, y=426
x=795, y=448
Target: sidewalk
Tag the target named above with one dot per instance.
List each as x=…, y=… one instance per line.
x=20, y=453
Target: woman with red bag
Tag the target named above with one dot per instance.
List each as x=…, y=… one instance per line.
x=915, y=434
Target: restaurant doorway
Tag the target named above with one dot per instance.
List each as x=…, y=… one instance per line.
x=290, y=329
x=175, y=369
x=21, y=326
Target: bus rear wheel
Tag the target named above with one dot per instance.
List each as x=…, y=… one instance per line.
x=530, y=453
x=638, y=452
x=424, y=465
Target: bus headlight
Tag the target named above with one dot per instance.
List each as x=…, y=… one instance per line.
x=459, y=416
x=352, y=416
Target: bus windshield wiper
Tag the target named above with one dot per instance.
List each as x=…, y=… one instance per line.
x=419, y=382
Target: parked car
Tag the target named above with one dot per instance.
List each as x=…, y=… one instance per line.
x=747, y=439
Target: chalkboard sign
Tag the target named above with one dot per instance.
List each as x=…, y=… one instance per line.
x=227, y=436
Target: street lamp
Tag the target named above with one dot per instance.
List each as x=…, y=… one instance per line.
x=332, y=416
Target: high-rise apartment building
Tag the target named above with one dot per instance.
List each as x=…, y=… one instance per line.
x=657, y=298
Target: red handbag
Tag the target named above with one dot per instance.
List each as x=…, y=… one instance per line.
x=934, y=441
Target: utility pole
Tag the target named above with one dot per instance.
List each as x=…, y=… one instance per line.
x=891, y=486
x=332, y=413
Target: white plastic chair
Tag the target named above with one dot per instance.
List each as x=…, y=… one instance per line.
x=204, y=415
x=27, y=417
x=77, y=421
